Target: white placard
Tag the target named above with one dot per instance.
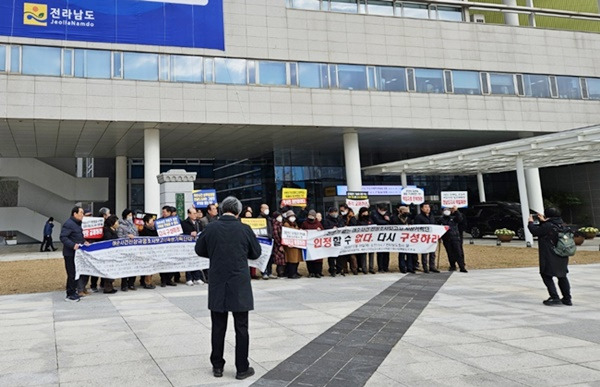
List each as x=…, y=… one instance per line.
x=93, y=228
x=413, y=195
x=455, y=198
x=170, y=226
x=292, y=237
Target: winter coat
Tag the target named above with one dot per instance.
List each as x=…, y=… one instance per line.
x=378, y=219
x=308, y=225
x=278, y=253
x=453, y=222
x=189, y=226
x=402, y=220
x=424, y=219
x=269, y=225
x=292, y=254
x=550, y=263
x=148, y=232
x=363, y=221
x=330, y=222
x=126, y=227
x=349, y=221
x=110, y=234
x=48, y=229
x=229, y=244
x=70, y=235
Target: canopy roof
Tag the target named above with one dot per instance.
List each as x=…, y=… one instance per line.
x=562, y=148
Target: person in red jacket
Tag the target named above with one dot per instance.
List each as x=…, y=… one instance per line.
x=315, y=268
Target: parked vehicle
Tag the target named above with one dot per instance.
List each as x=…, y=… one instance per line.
x=485, y=218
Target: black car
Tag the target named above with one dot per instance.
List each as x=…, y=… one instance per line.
x=485, y=218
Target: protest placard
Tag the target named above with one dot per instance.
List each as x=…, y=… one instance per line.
x=412, y=195
x=261, y=263
x=451, y=199
x=93, y=228
x=258, y=225
x=357, y=199
x=295, y=197
x=293, y=238
x=168, y=226
x=203, y=197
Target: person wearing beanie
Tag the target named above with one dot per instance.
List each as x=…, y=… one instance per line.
x=315, y=267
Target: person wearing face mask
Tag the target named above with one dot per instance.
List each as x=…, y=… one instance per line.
x=452, y=218
x=381, y=217
x=264, y=213
x=127, y=229
x=278, y=254
x=349, y=220
x=293, y=256
x=331, y=221
x=405, y=260
x=428, y=259
x=315, y=267
x=364, y=220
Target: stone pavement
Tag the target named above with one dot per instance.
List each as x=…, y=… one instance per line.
x=487, y=327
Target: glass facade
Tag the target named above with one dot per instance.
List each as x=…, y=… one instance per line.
x=502, y=84
x=140, y=66
x=536, y=86
x=272, y=73
x=429, y=80
x=466, y=82
x=593, y=88
x=352, y=77
x=568, y=87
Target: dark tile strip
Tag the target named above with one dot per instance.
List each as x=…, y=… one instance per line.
x=349, y=352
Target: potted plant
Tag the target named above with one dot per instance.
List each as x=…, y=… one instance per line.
x=504, y=234
x=578, y=237
x=589, y=232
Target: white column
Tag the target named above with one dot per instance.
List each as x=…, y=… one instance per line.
x=529, y=3
x=511, y=19
x=151, y=171
x=120, y=184
x=534, y=190
x=480, y=187
x=352, y=159
x=524, y=200
x=404, y=179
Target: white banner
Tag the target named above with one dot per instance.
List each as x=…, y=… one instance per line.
x=120, y=258
x=415, y=239
x=450, y=199
x=293, y=238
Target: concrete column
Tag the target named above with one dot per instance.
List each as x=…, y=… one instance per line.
x=480, y=187
x=511, y=19
x=352, y=159
x=120, y=184
x=529, y=3
x=534, y=190
x=404, y=179
x=151, y=171
x=524, y=201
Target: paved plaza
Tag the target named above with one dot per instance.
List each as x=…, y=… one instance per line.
x=487, y=327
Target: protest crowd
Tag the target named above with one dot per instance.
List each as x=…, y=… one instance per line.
x=284, y=259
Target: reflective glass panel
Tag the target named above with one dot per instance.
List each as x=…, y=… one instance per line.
x=349, y=6
x=429, y=81
x=466, y=82
x=2, y=58
x=272, y=73
x=230, y=71
x=141, y=67
x=568, y=87
x=502, y=84
x=41, y=60
x=376, y=7
x=449, y=13
x=391, y=79
x=352, y=77
x=418, y=11
x=536, y=86
x=67, y=62
x=117, y=64
x=15, y=59
x=593, y=88
x=97, y=64
x=208, y=69
x=313, y=75
x=186, y=68
x=306, y=4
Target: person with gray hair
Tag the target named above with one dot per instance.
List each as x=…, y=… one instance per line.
x=229, y=244
x=104, y=212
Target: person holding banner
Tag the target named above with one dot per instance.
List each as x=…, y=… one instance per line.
x=349, y=220
x=278, y=253
x=71, y=236
x=111, y=224
x=452, y=218
x=166, y=279
x=381, y=217
x=264, y=213
x=364, y=220
x=229, y=244
x=315, y=267
x=405, y=260
x=191, y=226
x=333, y=221
x=425, y=217
x=148, y=231
x=293, y=256
x=127, y=229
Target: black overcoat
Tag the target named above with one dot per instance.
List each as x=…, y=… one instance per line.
x=550, y=263
x=229, y=244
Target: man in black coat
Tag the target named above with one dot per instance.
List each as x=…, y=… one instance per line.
x=425, y=217
x=551, y=264
x=381, y=217
x=229, y=244
x=452, y=218
x=405, y=260
x=331, y=221
x=71, y=236
x=191, y=226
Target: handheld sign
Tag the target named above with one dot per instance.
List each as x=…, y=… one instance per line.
x=413, y=195
x=357, y=199
x=203, y=197
x=258, y=225
x=93, y=228
x=295, y=197
x=293, y=238
x=168, y=226
x=458, y=199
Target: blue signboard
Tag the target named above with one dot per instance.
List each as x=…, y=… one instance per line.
x=203, y=197
x=182, y=23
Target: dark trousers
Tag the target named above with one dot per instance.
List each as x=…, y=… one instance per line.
x=292, y=269
x=383, y=261
x=361, y=260
x=406, y=262
x=331, y=262
x=428, y=261
x=195, y=275
x=129, y=281
x=455, y=253
x=313, y=267
x=176, y=276
x=269, y=268
x=71, y=283
x=242, y=339
x=166, y=277
x=47, y=243
x=563, y=284
x=340, y=264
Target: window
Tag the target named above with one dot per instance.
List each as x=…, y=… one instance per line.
x=117, y=65
x=429, y=81
x=186, y=68
x=568, y=87
x=2, y=58
x=466, y=82
x=230, y=71
x=209, y=70
x=67, y=62
x=593, y=85
x=251, y=67
x=305, y=4
x=536, y=86
x=313, y=75
x=141, y=67
x=418, y=11
x=352, y=77
x=41, y=60
x=92, y=64
x=391, y=79
x=378, y=7
x=372, y=84
x=164, y=67
x=272, y=73
x=349, y=6
x=502, y=84
x=293, y=74
x=15, y=59
x=449, y=13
